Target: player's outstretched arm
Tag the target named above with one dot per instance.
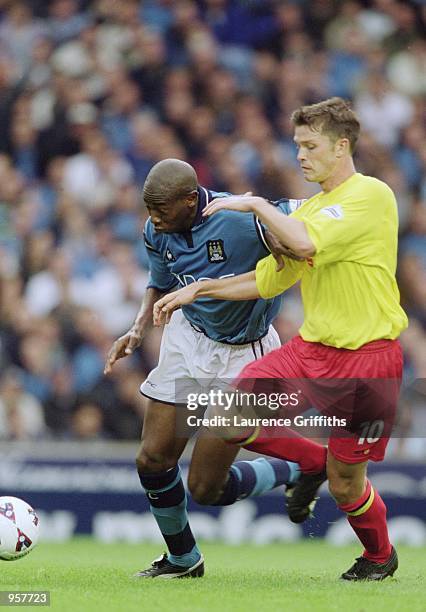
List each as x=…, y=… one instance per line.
x=290, y=231
x=241, y=287
x=126, y=344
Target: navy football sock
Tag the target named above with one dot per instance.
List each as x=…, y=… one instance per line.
x=252, y=478
x=167, y=498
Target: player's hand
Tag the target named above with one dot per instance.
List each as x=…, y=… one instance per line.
x=242, y=203
x=123, y=346
x=164, y=308
x=278, y=249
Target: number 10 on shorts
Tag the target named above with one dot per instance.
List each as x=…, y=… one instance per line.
x=371, y=431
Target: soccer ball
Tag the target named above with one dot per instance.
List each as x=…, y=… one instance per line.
x=19, y=528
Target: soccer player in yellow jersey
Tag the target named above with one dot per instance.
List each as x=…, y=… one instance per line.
x=347, y=236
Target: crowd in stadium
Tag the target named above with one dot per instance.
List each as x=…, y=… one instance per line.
x=92, y=94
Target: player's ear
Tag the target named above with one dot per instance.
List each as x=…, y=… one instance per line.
x=192, y=198
x=342, y=147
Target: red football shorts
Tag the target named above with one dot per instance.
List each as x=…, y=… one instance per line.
x=360, y=386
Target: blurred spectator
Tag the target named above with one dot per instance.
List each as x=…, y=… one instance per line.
x=19, y=32
x=87, y=422
x=52, y=286
x=21, y=414
x=119, y=108
x=58, y=408
x=126, y=400
x=407, y=69
x=347, y=42
x=92, y=175
x=89, y=355
x=65, y=22
x=413, y=264
x=383, y=112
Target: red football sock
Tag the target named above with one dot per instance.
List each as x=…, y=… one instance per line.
x=291, y=446
x=367, y=517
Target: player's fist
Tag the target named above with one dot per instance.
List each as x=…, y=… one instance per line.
x=278, y=249
x=123, y=346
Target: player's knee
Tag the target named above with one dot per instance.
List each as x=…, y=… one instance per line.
x=341, y=489
x=153, y=460
x=203, y=492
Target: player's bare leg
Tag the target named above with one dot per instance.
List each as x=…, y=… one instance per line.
x=160, y=449
x=157, y=464
x=346, y=481
x=366, y=514
x=210, y=463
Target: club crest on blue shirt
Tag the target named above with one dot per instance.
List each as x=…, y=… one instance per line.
x=216, y=251
x=169, y=255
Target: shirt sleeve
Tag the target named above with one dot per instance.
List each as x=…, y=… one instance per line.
x=271, y=283
x=339, y=232
x=287, y=205
x=159, y=276
x=284, y=205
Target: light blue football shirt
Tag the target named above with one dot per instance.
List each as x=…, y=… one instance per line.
x=226, y=244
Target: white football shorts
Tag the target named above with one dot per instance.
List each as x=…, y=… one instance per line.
x=191, y=362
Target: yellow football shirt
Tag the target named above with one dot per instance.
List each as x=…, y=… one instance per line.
x=349, y=291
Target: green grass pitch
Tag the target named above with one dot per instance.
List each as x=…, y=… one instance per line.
x=85, y=576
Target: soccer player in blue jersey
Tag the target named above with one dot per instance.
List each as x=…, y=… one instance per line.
x=206, y=341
